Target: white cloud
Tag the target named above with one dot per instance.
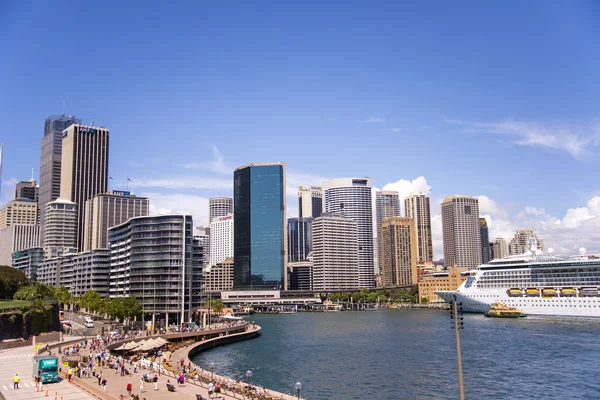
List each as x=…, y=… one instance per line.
x=393, y=129
x=405, y=187
x=489, y=206
x=578, y=141
x=372, y=120
x=216, y=165
x=179, y=203
x=190, y=182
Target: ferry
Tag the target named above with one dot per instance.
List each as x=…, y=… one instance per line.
x=501, y=310
x=535, y=282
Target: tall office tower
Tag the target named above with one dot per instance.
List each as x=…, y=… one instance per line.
x=27, y=190
x=260, y=251
x=219, y=207
x=84, y=168
x=491, y=246
x=50, y=161
x=221, y=239
x=485, y=241
x=152, y=260
x=416, y=207
x=21, y=211
x=523, y=240
x=352, y=196
x=310, y=202
x=387, y=205
x=60, y=235
x=399, y=251
x=336, y=264
x=15, y=238
x=107, y=210
x=500, y=248
x=460, y=226
x=299, y=239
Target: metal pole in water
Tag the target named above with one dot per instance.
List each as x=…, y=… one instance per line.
x=457, y=326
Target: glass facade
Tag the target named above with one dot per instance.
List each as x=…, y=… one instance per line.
x=299, y=239
x=259, y=218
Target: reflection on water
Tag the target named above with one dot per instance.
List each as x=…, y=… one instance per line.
x=404, y=354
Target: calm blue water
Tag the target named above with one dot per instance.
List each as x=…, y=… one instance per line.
x=411, y=354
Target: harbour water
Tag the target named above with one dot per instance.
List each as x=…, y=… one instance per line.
x=411, y=354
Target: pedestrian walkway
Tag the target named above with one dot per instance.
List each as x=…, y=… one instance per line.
x=6, y=357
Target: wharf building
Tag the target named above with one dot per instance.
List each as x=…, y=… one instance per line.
x=27, y=190
x=260, y=239
x=445, y=280
x=335, y=253
x=299, y=239
x=310, y=202
x=152, y=259
x=107, y=210
x=19, y=211
x=221, y=239
x=60, y=233
x=218, y=278
x=84, y=168
x=522, y=241
x=300, y=275
x=500, y=248
x=16, y=238
x=460, y=228
x=387, y=205
x=486, y=255
x=51, y=160
x=417, y=207
x=399, y=251
x=28, y=261
x=352, y=196
x=219, y=207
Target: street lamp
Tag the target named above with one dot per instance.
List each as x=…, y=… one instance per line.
x=249, y=375
x=212, y=374
x=298, y=388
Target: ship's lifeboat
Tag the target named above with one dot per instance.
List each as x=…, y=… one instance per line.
x=588, y=291
x=532, y=292
x=515, y=292
x=549, y=292
x=568, y=292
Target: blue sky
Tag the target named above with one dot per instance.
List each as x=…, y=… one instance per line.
x=475, y=97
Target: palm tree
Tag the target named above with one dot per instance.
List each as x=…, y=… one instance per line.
x=35, y=291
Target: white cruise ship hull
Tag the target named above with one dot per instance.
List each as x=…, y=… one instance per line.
x=480, y=301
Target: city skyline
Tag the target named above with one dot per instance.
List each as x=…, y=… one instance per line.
x=489, y=121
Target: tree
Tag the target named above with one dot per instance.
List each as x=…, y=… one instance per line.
x=63, y=296
x=217, y=306
x=90, y=300
x=35, y=291
x=11, y=280
x=424, y=299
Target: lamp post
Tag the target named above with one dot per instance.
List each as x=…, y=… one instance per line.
x=457, y=325
x=212, y=373
x=298, y=388
x=249, y=375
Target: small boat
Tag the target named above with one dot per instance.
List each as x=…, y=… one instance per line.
x=515, y=293
x=501, y=310
x=331, y=307
x=568, y=292
x=588, y=291
x=532, y=292
x=549, y=292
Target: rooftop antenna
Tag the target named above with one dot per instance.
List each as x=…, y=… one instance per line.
x=31, y=173
x=63, y=107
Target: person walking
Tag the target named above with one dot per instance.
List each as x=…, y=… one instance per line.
x=155, y=381
x=142, y=385
x=16, y=381
x=104, y=385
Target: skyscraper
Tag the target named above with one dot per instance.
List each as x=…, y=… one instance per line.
x=60, y=235
x=27, y=190
x=417, y=208
x=523, y=240
x=399, y=251
x=84, y=168
x=259, y=254
x=221, y=239
x=387, y=205
x=353, y=197
x=460, y=226
x=50, y=161
x=500, y=248
x=219, y=207
x=485, y=241
x=310, y=202
x=299, y=239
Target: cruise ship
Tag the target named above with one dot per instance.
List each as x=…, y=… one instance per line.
x=537, y=283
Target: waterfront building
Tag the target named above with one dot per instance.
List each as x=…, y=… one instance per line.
x=218, y=278
x=27, y=190
x=60, y=234
x=51, y=160
x=500, y=248
x=106, y=210
x=84, y=168
x=19, y=211
x=28, y=261
x=485, y=241
x=445, y=280
x=265, y=298
x=300, y=275
x=461, y=237
x=151, y=259
x=310, y=202
x=15, y=238
x=417, y=208
x=259, y=254
x=387, y=205
x=299, y=239
x=335, y=253
x=219, y=207
x=399, y=251
x=353, y=197
x=221, y=239
x=523, y=240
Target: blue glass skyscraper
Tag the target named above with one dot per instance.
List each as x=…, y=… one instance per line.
x=259, y=226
